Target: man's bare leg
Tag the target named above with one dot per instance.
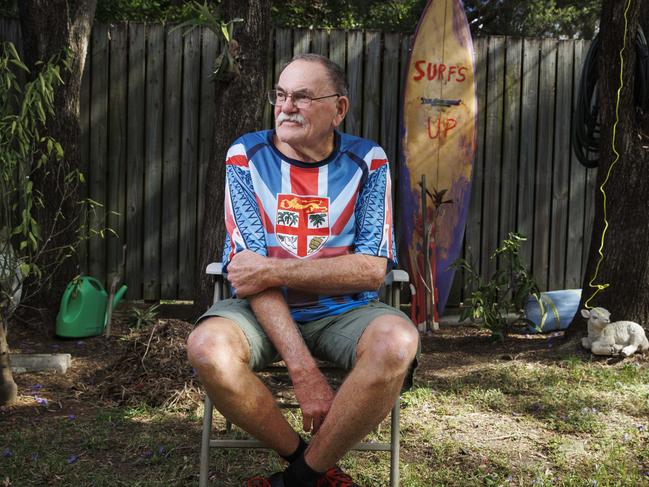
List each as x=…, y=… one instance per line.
x=219, y=352
x=384, y=354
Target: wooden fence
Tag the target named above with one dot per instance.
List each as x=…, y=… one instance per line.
x=147, y=122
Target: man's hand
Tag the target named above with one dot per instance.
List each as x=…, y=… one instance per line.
x=249, y=273
x=314, y=394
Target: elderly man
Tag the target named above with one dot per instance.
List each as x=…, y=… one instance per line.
x=309, y=238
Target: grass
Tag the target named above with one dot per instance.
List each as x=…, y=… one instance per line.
x=564, y=422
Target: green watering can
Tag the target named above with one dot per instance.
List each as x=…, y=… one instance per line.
x=83, y=308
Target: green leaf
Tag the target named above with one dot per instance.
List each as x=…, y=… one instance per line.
x=24, y=269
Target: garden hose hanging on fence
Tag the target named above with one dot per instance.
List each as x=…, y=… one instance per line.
x=586, y=127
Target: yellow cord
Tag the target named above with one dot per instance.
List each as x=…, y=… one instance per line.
x=601, y=287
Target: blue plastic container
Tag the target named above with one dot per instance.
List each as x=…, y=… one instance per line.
x=566, y=302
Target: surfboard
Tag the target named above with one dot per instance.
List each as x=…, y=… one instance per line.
x=438, y=141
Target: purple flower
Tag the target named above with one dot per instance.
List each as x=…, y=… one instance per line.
x=72, y=459
x=6, y=453
x=146, y=454
x=161, y=449
x=36, y=387
x=41, y=400
x=642, y=427
x=71, y=417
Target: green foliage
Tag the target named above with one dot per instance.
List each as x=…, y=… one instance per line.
x=534, y=18
x=492, y=301
x=144, y=10
x=226, y=64
x=24, y=149
x=144, y=317
x=531, y=18
x=348, y=14
x=577, y=18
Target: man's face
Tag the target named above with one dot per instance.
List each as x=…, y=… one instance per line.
x=312, y=125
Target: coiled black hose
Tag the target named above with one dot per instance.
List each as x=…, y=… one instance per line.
x=586, y=126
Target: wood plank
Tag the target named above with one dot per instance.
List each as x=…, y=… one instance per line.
x=117, y=144
x=268, y=117
x=354, y=70
x=589, y=216
x=561, y=172
x=98, y=151
x=320, y=42
x=153, y=135
x=403, y=46
x=210, y=47
x=473, y=232
x=4, y=23
x=494, y=123
x=372, y=86
x=577, y=189
x=511, y=136
x=544, y=162
x=12, y=33
x=301, y=41
x=171, y=164
x=283, y=49
x=135, y=160
x=589, y=211
x=527, y=159
x=84, y=147
x=189, y=166
x=390, y=96
x=338, y=54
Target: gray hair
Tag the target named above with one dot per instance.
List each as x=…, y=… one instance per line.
x=335, y=72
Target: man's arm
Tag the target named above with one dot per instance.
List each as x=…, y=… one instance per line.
x=311, y=388
x=250, y=273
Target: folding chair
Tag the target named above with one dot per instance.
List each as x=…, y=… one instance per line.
x=393, y=281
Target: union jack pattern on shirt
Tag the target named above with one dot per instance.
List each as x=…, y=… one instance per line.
x=284, y=208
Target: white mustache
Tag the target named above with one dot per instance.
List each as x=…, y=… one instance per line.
x=293, y=117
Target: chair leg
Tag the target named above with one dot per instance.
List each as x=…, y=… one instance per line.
x=394, y=444
x=205, y=443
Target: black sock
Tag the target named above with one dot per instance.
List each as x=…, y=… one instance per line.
x=298, y=451
x=299, y=474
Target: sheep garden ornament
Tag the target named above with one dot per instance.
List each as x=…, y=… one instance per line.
x=606, y=338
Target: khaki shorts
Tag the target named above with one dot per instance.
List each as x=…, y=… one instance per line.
x=333, y=338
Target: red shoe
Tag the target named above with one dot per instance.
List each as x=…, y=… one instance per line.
x=275, y=480
x=335, y=477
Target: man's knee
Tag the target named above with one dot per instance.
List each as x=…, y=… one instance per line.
x=217, y=345
x=390, y=342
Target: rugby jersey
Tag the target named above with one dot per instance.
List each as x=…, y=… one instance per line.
x=284, y=208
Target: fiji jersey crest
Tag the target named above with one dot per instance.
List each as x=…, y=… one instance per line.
x=302, y=223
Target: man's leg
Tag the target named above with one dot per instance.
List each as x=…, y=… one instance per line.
x=220, y=353
x=383, y=356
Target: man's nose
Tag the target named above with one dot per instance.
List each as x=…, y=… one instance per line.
x=288, y=106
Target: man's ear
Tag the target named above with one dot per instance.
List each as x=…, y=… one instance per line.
x=342, y=107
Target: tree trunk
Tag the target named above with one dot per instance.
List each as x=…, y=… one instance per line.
x=49, y=27
x=238, y=109
x=625, y=265
x=8, y=388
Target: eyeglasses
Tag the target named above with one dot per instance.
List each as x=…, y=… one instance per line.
x=300, y=100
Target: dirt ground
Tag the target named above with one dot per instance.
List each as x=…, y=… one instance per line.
x=149, y=365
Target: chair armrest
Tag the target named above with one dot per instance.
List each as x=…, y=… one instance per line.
x=215, y=269
x=396, y=275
